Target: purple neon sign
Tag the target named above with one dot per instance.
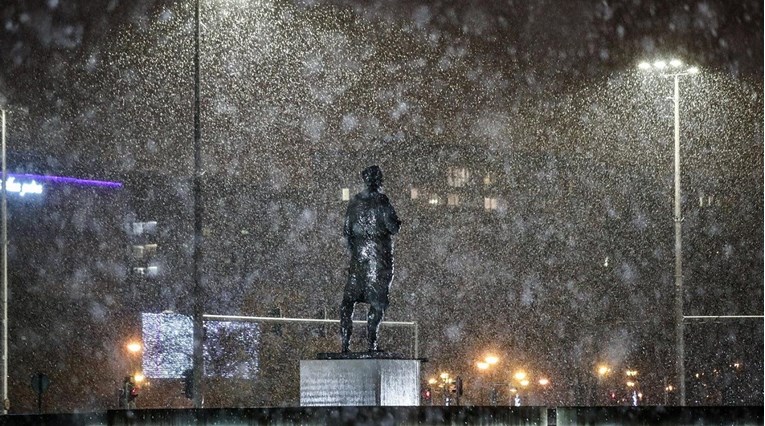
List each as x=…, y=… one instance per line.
x=69, y=180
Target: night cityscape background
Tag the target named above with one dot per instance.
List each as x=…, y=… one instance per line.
x=529, y=158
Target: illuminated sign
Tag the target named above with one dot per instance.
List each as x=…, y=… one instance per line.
x=23, y=188
x=230, y=349
x=67, y=180
x=24, y=184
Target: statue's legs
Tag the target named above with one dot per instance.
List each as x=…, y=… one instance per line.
x=346, y=323
x=374, y=318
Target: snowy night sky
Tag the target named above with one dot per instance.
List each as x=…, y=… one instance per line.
x=536, y=105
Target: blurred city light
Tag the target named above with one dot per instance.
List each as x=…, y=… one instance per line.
x=603, y=370
x=134, y=347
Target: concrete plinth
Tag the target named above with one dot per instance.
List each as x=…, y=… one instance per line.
x=360, y=382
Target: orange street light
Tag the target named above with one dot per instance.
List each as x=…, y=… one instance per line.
x=134, y=347
x=603, y=370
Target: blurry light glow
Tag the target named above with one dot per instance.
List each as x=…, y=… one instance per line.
x=491, y=359
x=482, y=365
x=675, y=63
x=603, y=370
x=660, y=65
x=432, y=381
x=693, y=70
x=632, y=373
x=444, y=376
x=644, y=66
x=138, y=377
x=544, y=382
x=524, y=382
x=520, y=375
x=133, y=347
x=630, y=383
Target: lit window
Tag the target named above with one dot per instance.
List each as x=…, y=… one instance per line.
x=139, y=271
x=453, y=200
x=433, y=200
x=140, y=228
x=138, y=252
x=413, y=193
x=346, y=194
x=150, y=249
x=152, y=271
x=490, y=203
x=458, y=177
x=150, y=227
x=488, y=180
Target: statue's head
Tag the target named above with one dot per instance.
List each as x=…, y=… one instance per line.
x=373, y=177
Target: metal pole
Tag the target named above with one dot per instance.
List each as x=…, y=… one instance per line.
x=680, y=340
x=197, y=361
x=416, y=341
x=6, y=402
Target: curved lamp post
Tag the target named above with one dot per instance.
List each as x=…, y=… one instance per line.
x=675, y=69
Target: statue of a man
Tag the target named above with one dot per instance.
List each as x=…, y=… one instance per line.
x=370, y=223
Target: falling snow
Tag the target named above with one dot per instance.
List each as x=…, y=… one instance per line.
x=529, y=159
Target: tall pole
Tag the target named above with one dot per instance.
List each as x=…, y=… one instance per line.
x=198, y=334
x=679, y=337
x=5, y=273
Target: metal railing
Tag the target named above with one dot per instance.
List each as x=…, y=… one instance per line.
x=413, y=324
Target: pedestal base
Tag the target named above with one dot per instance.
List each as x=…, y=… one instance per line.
x=360, y=382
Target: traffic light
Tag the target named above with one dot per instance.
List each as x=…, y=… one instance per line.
x=188, y=383
x=132, y=390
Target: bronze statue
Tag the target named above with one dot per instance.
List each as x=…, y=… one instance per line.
x=370, y=223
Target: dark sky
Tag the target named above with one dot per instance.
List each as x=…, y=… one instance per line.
x=68, y=62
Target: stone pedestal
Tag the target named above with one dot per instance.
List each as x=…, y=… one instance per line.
x=360, y=382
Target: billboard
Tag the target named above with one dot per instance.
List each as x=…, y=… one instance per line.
x=230, y=348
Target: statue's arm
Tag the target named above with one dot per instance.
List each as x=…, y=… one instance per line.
x=392, y=222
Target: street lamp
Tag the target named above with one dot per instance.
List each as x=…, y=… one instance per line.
x=676, y=69
x=483, y=365
x=443, y=382
x=4, y=242
x=603, y=370
x=133, y=347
